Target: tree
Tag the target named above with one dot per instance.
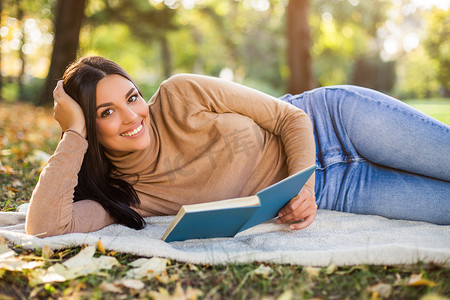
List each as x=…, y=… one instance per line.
x=299, y=57
x=437, y=44
x=1, y=79
x=69, y=16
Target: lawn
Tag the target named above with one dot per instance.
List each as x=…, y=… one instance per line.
x=29, y=133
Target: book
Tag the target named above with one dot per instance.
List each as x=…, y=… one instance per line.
x=227, y=218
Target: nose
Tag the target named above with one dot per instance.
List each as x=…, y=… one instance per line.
x=129, y=115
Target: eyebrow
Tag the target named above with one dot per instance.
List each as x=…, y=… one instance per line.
x=110, y=103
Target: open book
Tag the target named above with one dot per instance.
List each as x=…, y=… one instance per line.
x=226, y=218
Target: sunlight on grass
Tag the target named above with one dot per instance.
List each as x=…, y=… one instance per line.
x=437, y=108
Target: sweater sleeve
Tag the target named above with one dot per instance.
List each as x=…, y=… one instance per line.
x=288, y=122
x=52, y=210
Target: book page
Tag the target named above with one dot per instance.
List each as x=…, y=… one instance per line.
x=229, y=203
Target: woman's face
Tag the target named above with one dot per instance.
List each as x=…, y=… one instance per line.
x=122, y=116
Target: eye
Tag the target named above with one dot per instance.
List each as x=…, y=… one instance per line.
x=107, y=112
x=133, y=98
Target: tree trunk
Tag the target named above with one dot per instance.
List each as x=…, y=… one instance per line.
x=1, y=77
x=69, y=16
x=299, y=58
x=22, y=57
x=166, y=56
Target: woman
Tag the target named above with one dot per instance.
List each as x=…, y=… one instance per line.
x=202, y=139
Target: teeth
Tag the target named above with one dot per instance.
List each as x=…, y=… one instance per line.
x=134, y=132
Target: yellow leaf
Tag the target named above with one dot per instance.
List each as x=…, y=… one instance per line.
x=331, y=269
x=162, y=278
x=287, y=295
x=380, y=289
x=312, y=272
x=433, y=296
x=100, y=247
x=416, y=280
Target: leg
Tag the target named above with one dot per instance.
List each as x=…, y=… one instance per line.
x=381, y=129
x=365, y=141
x=367, y=188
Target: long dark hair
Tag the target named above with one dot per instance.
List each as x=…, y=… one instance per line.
x=95, y=180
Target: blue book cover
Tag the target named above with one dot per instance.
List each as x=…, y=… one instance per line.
x=228, y=217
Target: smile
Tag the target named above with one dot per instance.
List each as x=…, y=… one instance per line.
x=133, y=132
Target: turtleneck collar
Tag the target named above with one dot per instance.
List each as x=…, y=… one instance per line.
x=142, y=161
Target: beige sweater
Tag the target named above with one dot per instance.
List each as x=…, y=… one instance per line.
x=210, y=140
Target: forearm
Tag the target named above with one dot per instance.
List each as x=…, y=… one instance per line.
x=51, y=205
x=298, y=140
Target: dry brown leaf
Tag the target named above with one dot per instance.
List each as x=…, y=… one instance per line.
x=110, y=287
x=47, y=252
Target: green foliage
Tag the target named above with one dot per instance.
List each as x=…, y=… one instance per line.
x=417, y=76
x=437, y=43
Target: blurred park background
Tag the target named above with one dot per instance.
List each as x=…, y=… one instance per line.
x=401, y=47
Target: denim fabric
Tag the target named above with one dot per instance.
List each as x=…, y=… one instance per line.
x=377, y=155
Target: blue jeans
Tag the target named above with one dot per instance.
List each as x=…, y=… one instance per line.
x=377, y=155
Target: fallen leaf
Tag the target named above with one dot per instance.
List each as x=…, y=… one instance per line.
x=162, y=278
x=100, y=247
x=433, y=296
x=416, y=280
x=331, y=269
x=146, y=268
x=110, y=287
x=130, y=283
x=263, y=271
x=47, y=252
x=80, y=265
x=9, y=261
x=287, y=295
x=12, y=189
x=380, y=289
x=312, y=272
x=178, y=294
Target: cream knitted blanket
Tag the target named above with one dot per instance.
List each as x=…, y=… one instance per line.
x=334, y=238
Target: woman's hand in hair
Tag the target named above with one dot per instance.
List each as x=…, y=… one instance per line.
x=301, y=211
x=67, y=112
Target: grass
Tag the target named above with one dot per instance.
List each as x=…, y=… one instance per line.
x=26, y=129
x=438, y=108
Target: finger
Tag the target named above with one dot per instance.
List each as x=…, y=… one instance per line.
x=291, y=206
x=300, y=215
x=306, y=222
x=305, y=208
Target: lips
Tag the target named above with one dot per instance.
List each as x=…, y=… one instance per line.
x=133, y=131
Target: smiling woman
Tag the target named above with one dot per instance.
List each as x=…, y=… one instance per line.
x=122, y=116
x=202, y=139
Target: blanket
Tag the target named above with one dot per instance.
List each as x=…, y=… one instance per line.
x=334, y=238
